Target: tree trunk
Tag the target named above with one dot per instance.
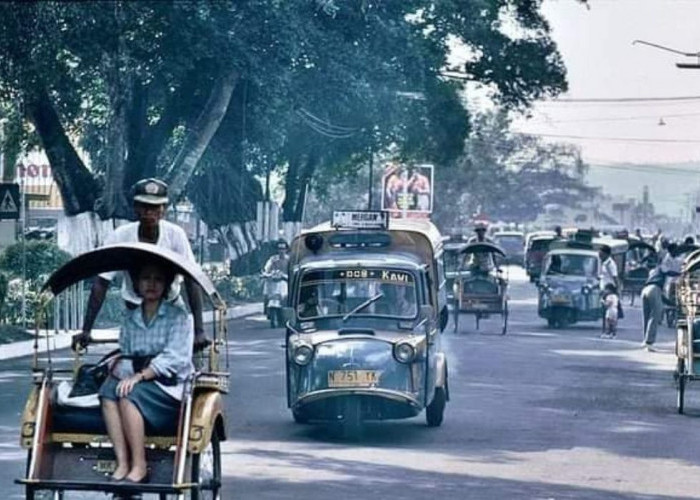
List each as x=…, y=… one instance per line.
x=78, y=188
x=115, y=200
x=200, y=135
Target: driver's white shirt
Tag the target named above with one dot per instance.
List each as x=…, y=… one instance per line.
x=170, y=236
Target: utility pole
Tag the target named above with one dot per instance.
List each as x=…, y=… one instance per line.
x=371, y=176
x=695, y=65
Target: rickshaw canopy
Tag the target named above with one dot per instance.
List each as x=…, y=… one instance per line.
x=122, y=257
x=635, y=244
x=483, y=247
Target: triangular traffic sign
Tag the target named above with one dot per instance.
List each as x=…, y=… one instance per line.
x=8, y=205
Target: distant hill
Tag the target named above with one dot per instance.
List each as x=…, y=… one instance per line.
x=668, y=183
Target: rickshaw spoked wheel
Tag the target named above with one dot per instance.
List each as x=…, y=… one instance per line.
x=206, y=471
x=32, y=494
x=681, y=393
x=505, y=318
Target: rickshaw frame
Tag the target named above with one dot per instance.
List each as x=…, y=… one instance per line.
x=481, y=305
x=688, y=303
x=201, y=423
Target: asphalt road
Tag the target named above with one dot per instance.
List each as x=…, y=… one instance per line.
x=538, y=413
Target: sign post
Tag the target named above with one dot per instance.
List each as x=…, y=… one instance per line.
x=10, y=202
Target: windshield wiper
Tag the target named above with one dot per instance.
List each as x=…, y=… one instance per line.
x=367, y=302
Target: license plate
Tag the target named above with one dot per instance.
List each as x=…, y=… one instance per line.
x=478, y=305
x=558, y=299
x=353, y=378
x=105, y=466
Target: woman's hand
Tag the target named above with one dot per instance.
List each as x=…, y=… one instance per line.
x=125, y=386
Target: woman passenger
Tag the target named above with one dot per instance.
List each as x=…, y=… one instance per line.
x=145, y=385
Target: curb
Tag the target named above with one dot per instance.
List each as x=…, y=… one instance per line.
x=63, y=339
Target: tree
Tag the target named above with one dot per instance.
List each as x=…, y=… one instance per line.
x=199, y=92
x=508, y=176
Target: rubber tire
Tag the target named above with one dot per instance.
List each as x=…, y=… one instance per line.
x=215, y=493
x=352, y=418
x=299, y=418
x=551, y=322
x=435, y=411
x=680, y=401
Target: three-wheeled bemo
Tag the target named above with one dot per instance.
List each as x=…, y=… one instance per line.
x=481, y=289
x=67, y=443
x=363, y=334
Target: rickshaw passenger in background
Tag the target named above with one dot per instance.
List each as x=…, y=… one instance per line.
x=652, y=307
x=146, y=383
x=150, y=201
x=609, y=275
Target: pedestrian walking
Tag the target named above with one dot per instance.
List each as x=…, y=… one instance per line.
x=652, y=307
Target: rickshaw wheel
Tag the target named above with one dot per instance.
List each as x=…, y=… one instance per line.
x=681, y=393
x=505, y=318
x=206, y=471
x=478, y=318
x=436, y=409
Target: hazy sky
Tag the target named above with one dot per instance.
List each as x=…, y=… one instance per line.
x=602, y=63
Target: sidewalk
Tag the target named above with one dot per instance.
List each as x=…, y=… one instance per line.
x=63, y=339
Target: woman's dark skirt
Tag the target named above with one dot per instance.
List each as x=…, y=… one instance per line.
x=158, y=408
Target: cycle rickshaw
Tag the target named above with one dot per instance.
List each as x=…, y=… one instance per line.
x=640, y=260
x=688, y=327
x=480, y=288
x=67, y=444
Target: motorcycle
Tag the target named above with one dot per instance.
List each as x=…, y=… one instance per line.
x=277, y=297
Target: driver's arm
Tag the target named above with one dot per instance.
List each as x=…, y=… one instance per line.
x=194, y=298
x=98, y=292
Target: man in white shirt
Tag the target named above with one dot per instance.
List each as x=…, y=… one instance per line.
x=150, y=202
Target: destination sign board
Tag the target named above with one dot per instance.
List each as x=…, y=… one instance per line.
x=360, y=219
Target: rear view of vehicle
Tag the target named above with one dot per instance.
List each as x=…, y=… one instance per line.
x=537, y=248
x=513, y=244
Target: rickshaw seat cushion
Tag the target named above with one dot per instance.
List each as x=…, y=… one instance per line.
x=70, y=419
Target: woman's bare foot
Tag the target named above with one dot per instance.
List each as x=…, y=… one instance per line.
x=120, y=472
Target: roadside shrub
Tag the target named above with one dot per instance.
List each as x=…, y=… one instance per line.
x=42, y=259
x=236, y=288
x=13, y=333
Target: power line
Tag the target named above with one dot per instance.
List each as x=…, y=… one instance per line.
x=618, y=119
x=624, y=99
x=613, y=139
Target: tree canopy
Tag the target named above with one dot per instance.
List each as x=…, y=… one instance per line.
x=214, y=95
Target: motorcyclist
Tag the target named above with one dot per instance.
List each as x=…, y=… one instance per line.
x=277, y=264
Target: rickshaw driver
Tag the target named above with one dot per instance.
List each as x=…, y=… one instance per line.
x=146, y=383
x=480, y=261
x=150, y=201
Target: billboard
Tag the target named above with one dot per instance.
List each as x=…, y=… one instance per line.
x=407, y=190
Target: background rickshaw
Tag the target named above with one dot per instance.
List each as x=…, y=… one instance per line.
x=452, y=258
x=67, y=444
x=480, y=288
x=688, y=327
x=640, y=260
x=686, y=253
